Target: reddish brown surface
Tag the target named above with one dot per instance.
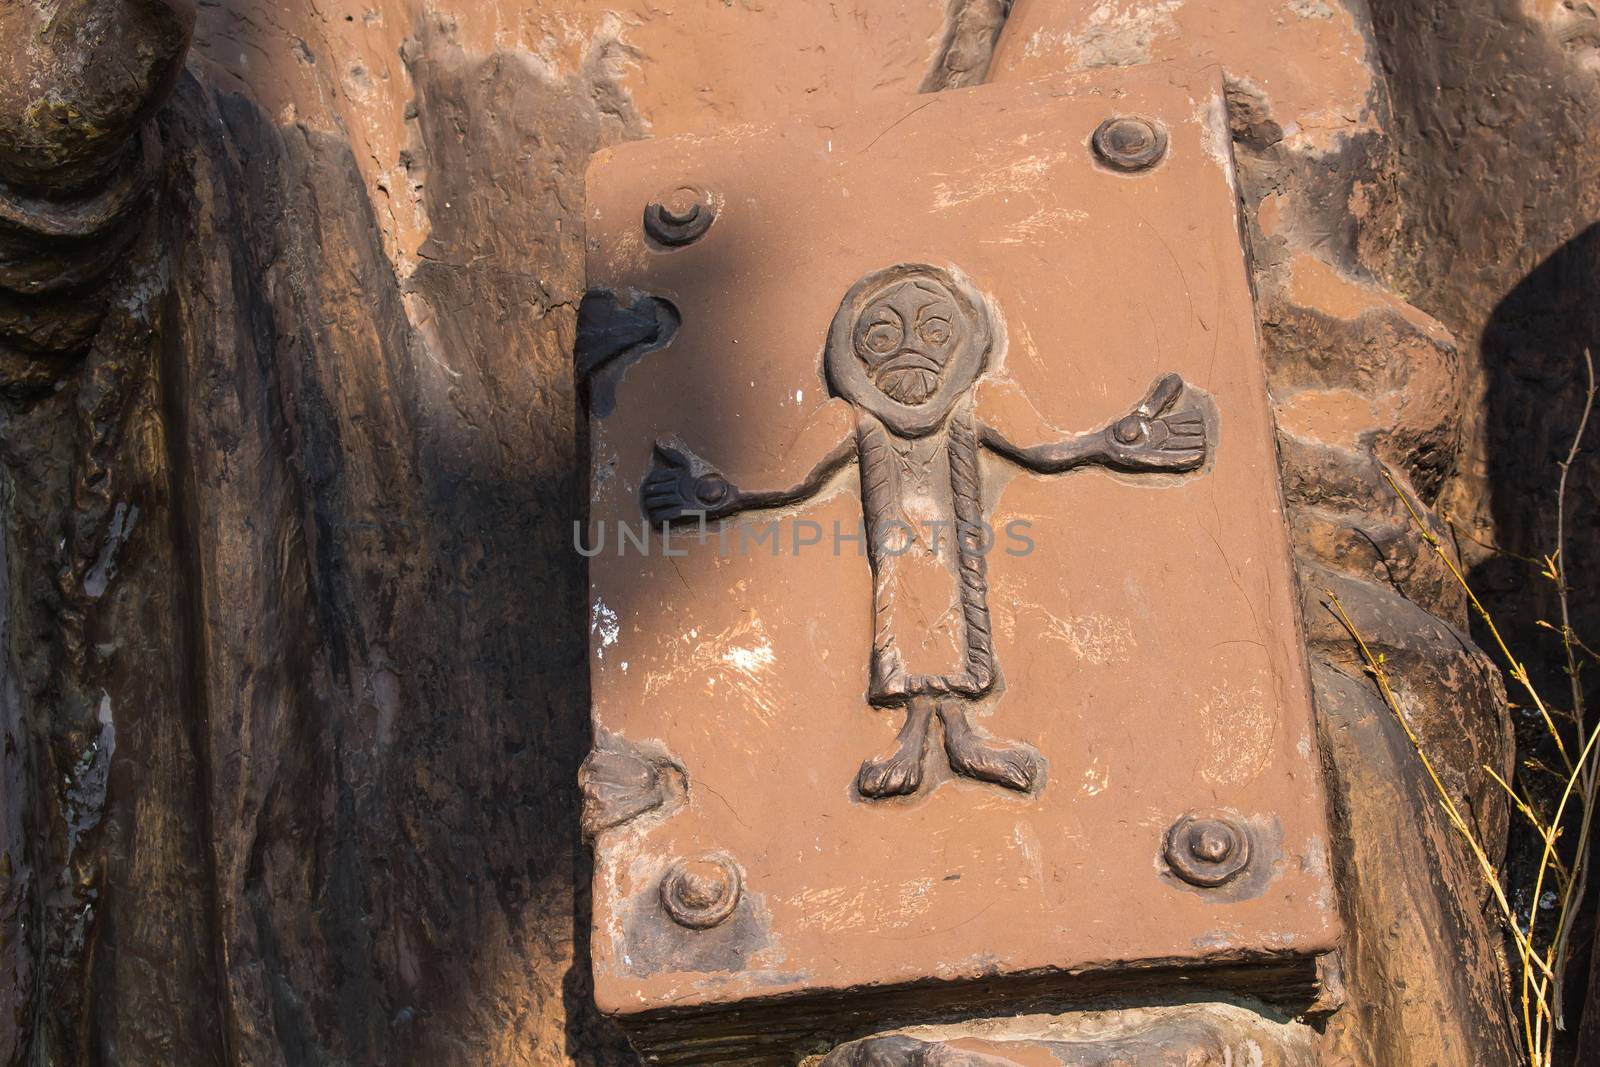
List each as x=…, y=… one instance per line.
x=288, y=756
x=1306, y=57
x=1149, y=644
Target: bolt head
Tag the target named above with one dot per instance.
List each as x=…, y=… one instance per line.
x=702, y=891
x=1207, y=850
x=1129, y=429
x=679, y=216
x=1210, y=843
x=1128, y=143
x=711, y=489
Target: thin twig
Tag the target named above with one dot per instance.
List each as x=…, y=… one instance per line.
x=1375, y=668
x=1580, y=866
x=1541, y=974
x=1567, y=898
x=1518, y=672
x=1546, y=834
x=1457, y=532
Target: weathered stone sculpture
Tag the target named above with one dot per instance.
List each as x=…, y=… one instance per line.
x=295, y=688
x=1142, y=640
x=904, y=354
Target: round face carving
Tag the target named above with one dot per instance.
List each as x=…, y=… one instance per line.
x=906, y=335
x=907, y=341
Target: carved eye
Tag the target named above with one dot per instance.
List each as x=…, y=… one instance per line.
x=935, y=331
x=882, y=337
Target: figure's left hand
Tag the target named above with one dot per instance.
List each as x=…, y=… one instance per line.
x=673, y=492
x=1150, y=439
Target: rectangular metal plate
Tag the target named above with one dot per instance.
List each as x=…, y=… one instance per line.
x=1147, y=646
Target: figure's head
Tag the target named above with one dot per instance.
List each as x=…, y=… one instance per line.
x=906, y=342
x=906, y=335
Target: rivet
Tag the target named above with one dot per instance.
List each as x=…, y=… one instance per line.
x=1207, y=850
x=1129, y=429
x=1128, y=143
x=702, y=891
x=679, y=216
x=711, y=488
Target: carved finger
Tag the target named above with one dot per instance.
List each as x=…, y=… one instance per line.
x=1186, y=430
x=668, y=480
x=1186, y=418
x=1163, y=394
x=1177, y=443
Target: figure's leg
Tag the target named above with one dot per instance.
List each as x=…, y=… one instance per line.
x=1009, y=763
x=900, y=772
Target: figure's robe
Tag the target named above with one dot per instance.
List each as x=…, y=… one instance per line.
x=923, y=510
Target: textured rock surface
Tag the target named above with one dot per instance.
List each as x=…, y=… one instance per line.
x=292, y=535
x=1507, y=256
x=1191, y=1035
x=295, y=693
x=1363, y=384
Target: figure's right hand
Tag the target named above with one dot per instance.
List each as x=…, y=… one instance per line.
x=672, y=491
x=1153, y=437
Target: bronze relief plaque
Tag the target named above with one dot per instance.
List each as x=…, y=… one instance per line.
x=960, y=646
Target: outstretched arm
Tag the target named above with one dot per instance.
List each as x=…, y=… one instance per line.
x=1151, y=437
x=681, y=486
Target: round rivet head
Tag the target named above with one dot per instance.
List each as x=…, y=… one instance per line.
x=679, y=216
x=701, y=892
x=711, y=488
x=1129, y=429
x=1207, y=850
x=1127, y=143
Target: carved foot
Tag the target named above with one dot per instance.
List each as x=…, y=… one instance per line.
x=900, y=772
x=1012, y=764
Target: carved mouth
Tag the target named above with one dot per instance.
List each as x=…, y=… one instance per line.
x=910, y=359
x=913, y=384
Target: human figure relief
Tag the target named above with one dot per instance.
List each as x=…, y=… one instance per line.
x=904, y=356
